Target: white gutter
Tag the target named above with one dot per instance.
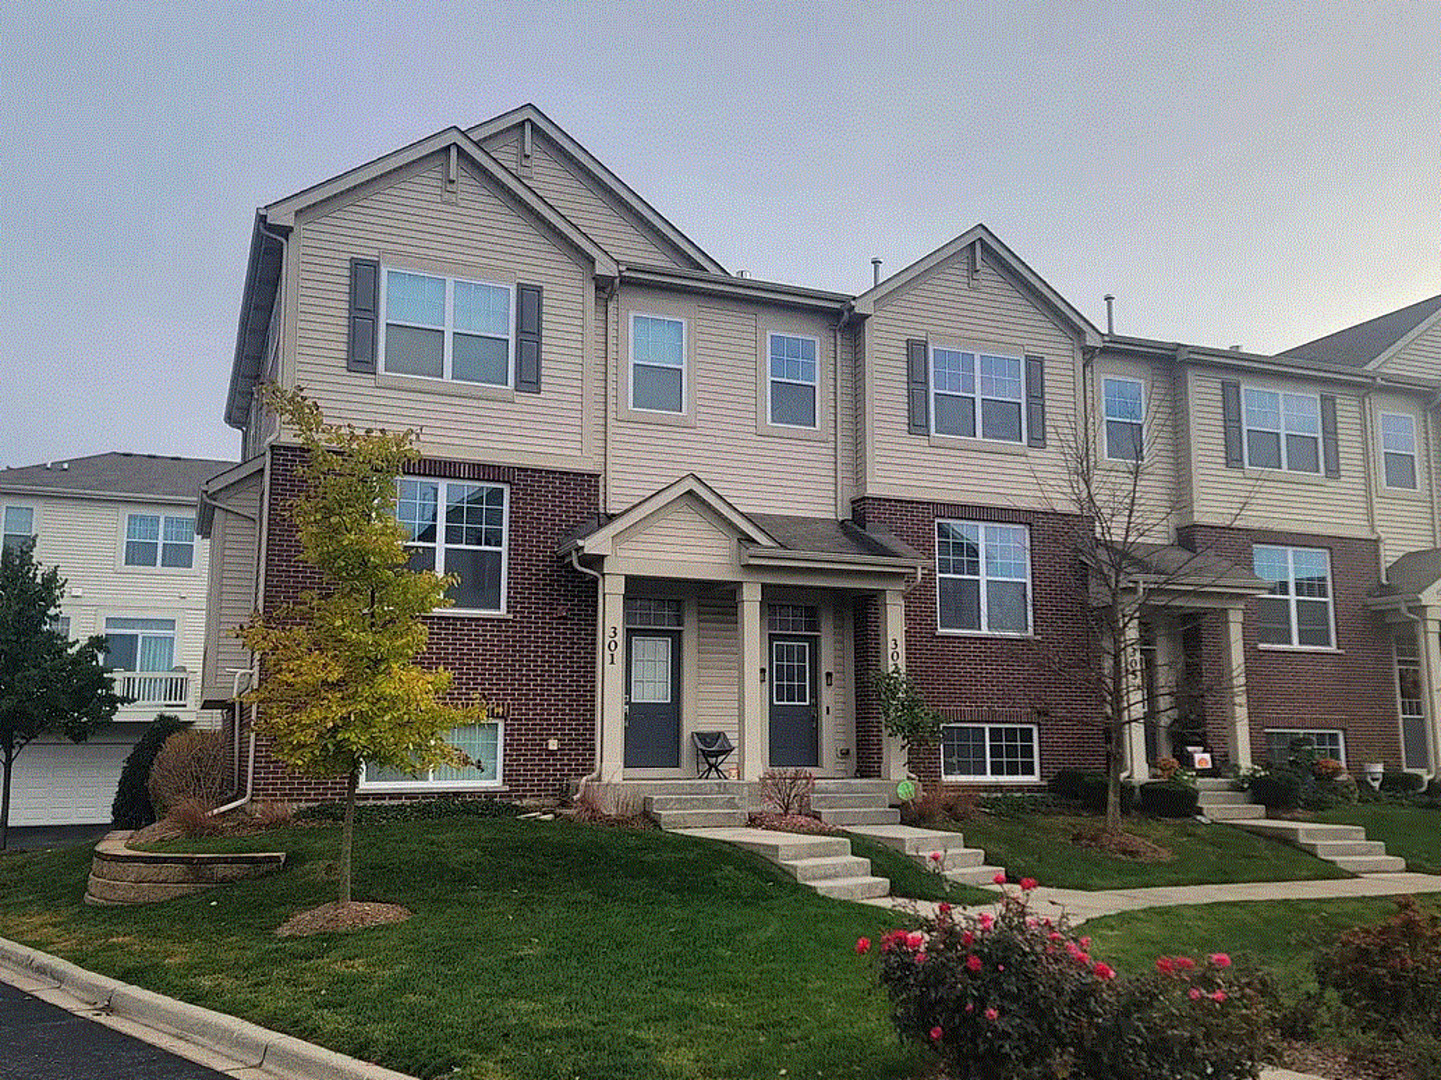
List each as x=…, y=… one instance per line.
x=238, y=674
x=594, y=774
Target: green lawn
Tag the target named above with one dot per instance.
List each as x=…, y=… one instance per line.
x=1039, y=846
x=1412, y=832
x=1281, y=935
x=537, y=950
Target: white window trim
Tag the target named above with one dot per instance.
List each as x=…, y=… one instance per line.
x=684, y=364
x=1291, y=598
x=1107, y=418
x=989, y=778
x=439, y=546
x=931, y=347
x=771, y=380
x=420, y=786
x=156, y=567
x=448, y=330
x=1283, y=431
x=34, y=518
x=1030, y=578
x=1381, y=444
x=1299, y=733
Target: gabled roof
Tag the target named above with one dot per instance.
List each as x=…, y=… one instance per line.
x=598, y=537
x=1370, y=343
x=865, y=304
x=601, y=175
x=164, y=479
x=1413, y=573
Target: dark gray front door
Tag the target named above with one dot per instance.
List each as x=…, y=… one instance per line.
x=652, y=693
x=795, y=739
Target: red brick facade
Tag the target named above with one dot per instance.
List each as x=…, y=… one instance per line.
x=1352, y=688
x=1043, y=679
x=537, y=663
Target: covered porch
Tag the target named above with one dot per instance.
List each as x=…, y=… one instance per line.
x=1410, y=606
x=715, y=621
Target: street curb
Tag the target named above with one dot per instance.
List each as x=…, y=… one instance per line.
x=245, y=1043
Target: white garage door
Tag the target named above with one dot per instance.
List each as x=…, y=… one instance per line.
x=64, y=783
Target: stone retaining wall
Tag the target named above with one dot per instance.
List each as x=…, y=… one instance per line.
x=121, y=875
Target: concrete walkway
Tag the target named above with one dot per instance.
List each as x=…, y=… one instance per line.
x=1084, y=905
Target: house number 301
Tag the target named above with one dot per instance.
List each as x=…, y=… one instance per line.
x=613, y=644
x=895, y=651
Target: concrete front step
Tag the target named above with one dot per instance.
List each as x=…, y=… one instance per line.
x=1333, y=849
x=830, y=866
x=910, y=840
x=853, y=888
x=777, y=846
x=1344, y=845
x=858, y=786
x=1371, y=864
x=974, y=875
x=1224, y=798
x=1234, y=812
x=822, y=799
x=1297, y=832
x=1215, y=783
x=691, y=802
x=859, y=815
x=698, y=819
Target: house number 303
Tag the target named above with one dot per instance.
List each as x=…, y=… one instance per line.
x=613, y=644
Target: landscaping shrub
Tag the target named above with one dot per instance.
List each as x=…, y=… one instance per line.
x=271, y=813
x=935, y=805
x=788, y=791
x=194, y=818
x=1402, y=783
x=1017, y=803
x=131, y=808
x=189, y=767
x=1277, y=790
x=421, y=810
x=1389, y=974
x=1169, y=799
x=1066, y=784
x=1089, y=790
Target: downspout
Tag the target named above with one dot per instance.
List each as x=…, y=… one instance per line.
x=842, y=511
x=245, y=794
x=1371, y=482
x=594, y=774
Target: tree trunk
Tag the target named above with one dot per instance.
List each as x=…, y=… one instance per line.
x=5, y=797
x=1116, y=722
x=347, y=835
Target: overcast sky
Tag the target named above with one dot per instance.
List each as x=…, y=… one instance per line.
x=1256, y=177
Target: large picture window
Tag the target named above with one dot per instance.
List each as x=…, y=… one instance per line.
x=482, y=743
x=1328, y=743
x=1297, y=611
x=458, y=528
x=990, y=752
x=446, y=328
x=1283, y=431
x=657, y=363
x=983, y=578
x=976, y=395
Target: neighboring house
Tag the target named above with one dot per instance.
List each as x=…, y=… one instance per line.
x=121, y=530
x=681, y=500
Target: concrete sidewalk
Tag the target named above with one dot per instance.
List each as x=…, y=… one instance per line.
x=1084, y=905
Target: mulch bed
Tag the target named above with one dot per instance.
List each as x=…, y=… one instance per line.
x=337, y=918
x=1123, y=845
x=793, y=823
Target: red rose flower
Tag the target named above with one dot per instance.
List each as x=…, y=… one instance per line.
x=973, y=962
x=863, y=946
x=1221, y=960
x=936, y=1033
x=1028, y=883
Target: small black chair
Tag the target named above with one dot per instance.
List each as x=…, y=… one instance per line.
x=711, y=750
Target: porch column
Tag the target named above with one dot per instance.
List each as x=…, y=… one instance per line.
x=1132, y=695
x=1233, y=655
x=1168, y=671
x=612, y=679
x=893, y=655
x=1429, y=632
x=750, y=691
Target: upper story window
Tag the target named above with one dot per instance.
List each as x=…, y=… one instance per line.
x=160, y=540
x=1125, y=402
x=1297, y=611
x=468, y=539
x=983, y=577
x=976, y=395
x=657, y=363
x=792, y=381
x=17, y=526
x=1398, y=450
x=446, y=328
x=1283, y=431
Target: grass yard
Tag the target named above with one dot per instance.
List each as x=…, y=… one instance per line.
x=537, y=950
x=1039, y=846
x=1281, y=935
x=1412, y=832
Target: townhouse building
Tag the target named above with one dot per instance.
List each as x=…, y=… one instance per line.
x=681, y=500
x=121, y=529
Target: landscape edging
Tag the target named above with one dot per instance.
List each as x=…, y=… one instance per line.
x=249, y=1044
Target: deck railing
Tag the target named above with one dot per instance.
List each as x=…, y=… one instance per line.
x=153, y=687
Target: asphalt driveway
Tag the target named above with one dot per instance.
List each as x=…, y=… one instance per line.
x=35, y=837
x=40, y=1041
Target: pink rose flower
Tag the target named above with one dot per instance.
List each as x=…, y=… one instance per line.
x=1219, y=995
x=863, y=946
x=944, y=908
x=1104, y=971
x=1185, y=963
x=1165, y=966
x=1000, y=878
x=936, y=1033
x=986, y=919
x=1028, y=883
x=915, y=941
x=1085, y=943
x=935, y=856
x=1220, y=959
x=991, y=1014
x=973, y=962
x=1193, y=994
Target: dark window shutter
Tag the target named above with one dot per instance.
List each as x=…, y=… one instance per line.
x=1330, y=444
x=1231, y=422
x=364, y=313
x=527, y=339
x=1036, y=401
x=918, y=386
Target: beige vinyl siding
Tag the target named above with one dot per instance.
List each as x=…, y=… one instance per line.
x=1158, y=491
x=1275, y=498
x=408, y=222
x=234, y=562
x=758, y=472
x=682, y=532
x=1421, y=358
x=716, y=700
x=861, y=434
x=995, y=313
x=1403, y=518
x=583, y=202
x=845, y=384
